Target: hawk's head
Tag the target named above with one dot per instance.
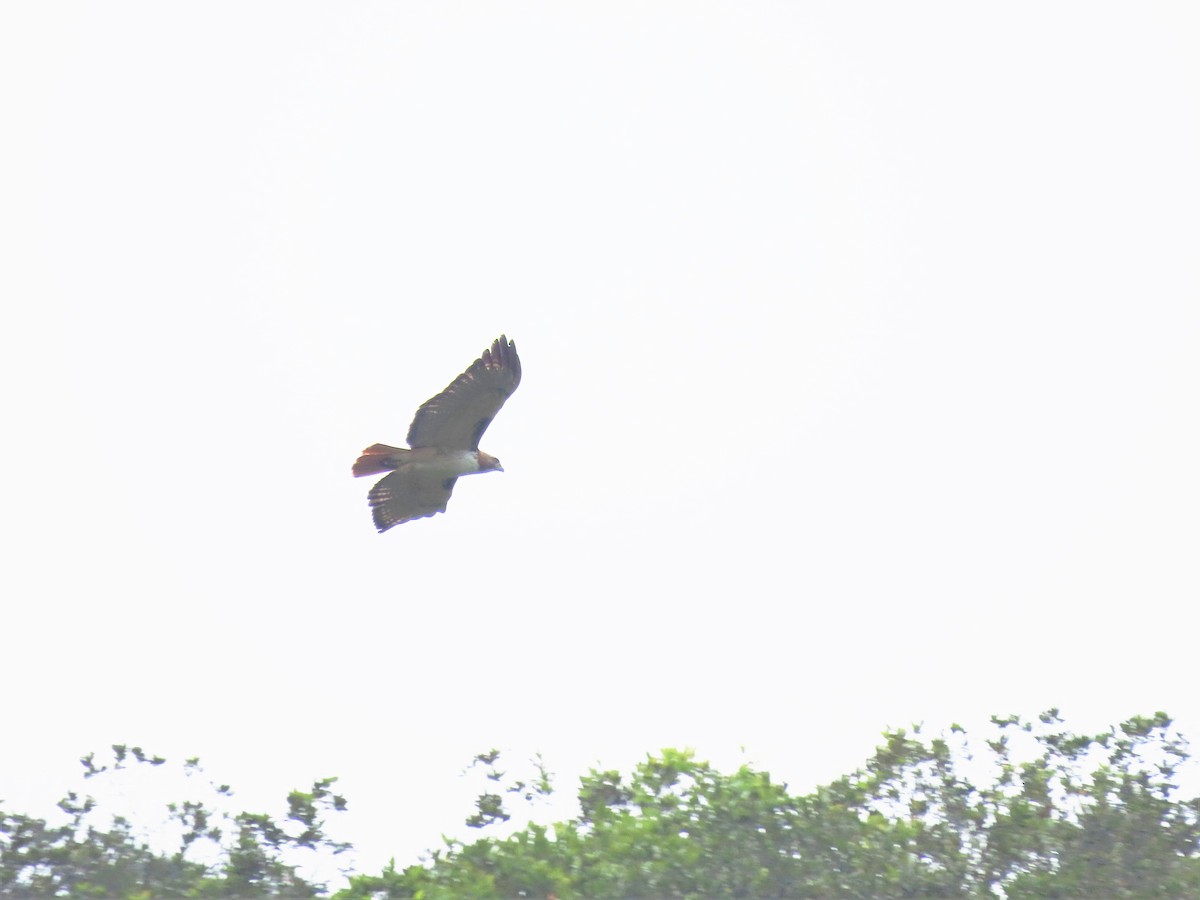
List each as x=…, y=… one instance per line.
x=488, y=463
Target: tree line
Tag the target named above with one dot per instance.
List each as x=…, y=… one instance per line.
x=1027, y=809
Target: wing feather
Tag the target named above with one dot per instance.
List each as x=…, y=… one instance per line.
x=406, y=495
x=457, y=417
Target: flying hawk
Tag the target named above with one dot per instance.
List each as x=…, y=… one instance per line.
x=444, y=441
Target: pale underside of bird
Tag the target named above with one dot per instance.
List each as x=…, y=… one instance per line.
x=443, y=441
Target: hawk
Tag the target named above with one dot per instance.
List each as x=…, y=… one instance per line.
x=443, y=441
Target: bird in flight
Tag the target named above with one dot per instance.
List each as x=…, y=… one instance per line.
x=443, y=441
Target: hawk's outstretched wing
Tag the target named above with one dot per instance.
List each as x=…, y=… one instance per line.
x=457, y=417
x=406, y=495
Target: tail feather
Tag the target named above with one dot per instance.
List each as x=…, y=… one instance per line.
x=378, y=458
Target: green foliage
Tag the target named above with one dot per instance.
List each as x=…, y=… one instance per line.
x=89, y=856
x=1038, y=812
x=1028, y=810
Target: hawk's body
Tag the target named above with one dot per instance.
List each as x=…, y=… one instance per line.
x=444, y=441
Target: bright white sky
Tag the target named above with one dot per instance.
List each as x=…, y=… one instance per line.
x=861, y=382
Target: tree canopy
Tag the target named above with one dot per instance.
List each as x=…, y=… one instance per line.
x=1029, y=809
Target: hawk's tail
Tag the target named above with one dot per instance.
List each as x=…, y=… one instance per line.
x=378, y=458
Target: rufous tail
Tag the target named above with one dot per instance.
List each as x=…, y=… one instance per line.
x=378, y=458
